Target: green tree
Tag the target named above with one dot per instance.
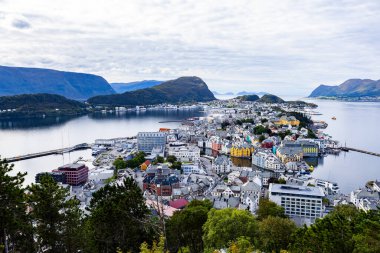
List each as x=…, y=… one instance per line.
x=15, y=226
x=160, y=159
x=269, y=208
x=261, y=138
x=260, y=130
x=226, y=225
x=56, y=217
x=171, y=159
x=367, y=236
x=156, y=247
x=275, y=233
x=333, y=233
x=184, y=228
x=241, y=245
x=176, y=165
x=119, y=218
x=119, y=163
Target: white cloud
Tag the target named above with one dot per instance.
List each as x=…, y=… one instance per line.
x=276, y=46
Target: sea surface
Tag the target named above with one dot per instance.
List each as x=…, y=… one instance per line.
x=20, y=137
x=356, y=126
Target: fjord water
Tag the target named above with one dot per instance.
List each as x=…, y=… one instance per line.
x=20, y=137
x=356, y=125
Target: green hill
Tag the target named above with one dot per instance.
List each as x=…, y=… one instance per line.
x=80, y=86
x=34, y=105
x=251, y=98
x=350, y=88
x=181, y=90
x=269, y=98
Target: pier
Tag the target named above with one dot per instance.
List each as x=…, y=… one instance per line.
x=49, y=152
x=170, y=121
x=346, y=149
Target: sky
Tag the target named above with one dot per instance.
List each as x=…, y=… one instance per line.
x=285, y=47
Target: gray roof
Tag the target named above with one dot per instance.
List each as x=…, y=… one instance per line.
x=220, y=204
x=233, y=202
x=221, y=159
x=296, y=190
x=250, y=186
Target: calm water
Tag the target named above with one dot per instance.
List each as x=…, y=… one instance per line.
x=24, y=137
x=356, y=125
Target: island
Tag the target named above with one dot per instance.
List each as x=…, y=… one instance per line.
x=39, y=105
x=181, y=90
x=352, y=90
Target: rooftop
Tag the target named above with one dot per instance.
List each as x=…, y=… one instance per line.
x=296, y=190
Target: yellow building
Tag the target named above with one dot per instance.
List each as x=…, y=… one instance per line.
x=287, y=121
x=242, y=151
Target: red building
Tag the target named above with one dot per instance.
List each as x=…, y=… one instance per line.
x=160, y=181
x=76, y=173
x=216, y=146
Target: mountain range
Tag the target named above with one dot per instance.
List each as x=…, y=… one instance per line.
x=350, y=88
x=124, y=87
x=242, y=93
x=181, y=90
x=79, y=86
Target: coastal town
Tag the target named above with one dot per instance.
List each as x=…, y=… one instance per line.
x=237, y=154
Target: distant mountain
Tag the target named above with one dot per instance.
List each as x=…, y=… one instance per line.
x=183, y=89
x=251, y=98
x=124, y=87
x=226, y=94
x=32, y=105
x=269, y=98
x=242, y=93
x=350, y=88
x=17, y=80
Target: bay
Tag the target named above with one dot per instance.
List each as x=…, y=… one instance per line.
x=20, y=137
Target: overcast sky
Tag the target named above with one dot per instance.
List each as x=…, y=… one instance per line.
x=283, y=46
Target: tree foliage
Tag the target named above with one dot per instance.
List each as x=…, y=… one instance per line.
x=226, y=225
x=56, y=217
x=15, y=229
x=184, y=229
x=119, y=218
x=345, y=229
x=275, y=233
x=268, y=208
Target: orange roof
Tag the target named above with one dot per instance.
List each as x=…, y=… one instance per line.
x=147, y=162
x=164, y=129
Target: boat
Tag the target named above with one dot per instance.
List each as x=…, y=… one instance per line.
x=333, y=118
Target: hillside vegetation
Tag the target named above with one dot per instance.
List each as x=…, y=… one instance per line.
x=30, y=105
x=181, y=90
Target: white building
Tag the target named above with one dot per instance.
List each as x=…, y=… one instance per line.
x=191, y=169
x=185, y=153
x=266, y=160
x=299, y=202
x=221, y=165
x=365, y=199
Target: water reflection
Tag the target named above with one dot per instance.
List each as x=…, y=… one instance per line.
x=30, y=123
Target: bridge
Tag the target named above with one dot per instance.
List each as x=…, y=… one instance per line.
x=49, y=152
x=346, y=149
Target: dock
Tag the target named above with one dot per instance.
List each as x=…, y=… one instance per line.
x=346, y=149
x=170, y=121
x=49, y=152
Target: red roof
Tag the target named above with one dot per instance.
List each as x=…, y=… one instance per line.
x=147, y=162
x=179, y=203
